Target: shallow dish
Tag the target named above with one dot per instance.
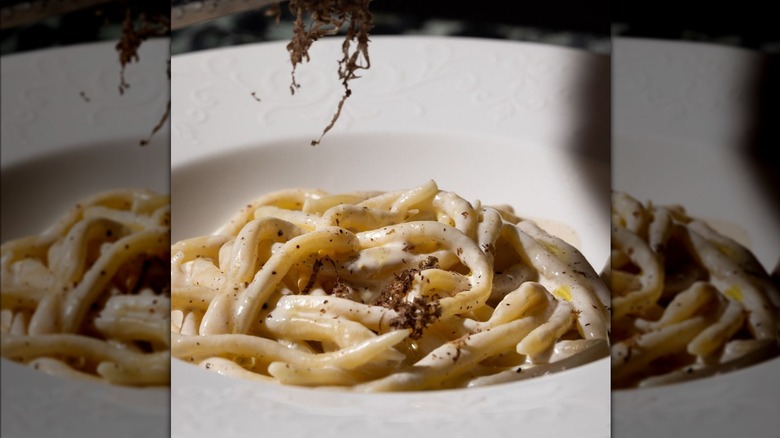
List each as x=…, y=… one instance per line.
x=515, y=123
x=684, y=114
x=68, y=134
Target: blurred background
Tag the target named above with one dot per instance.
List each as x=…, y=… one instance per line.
x=27, y=25
x=586, y=25
x=571, y=23
x=747, y=24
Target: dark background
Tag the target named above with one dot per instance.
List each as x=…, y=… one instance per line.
x=577, y=24
x=579, y=16
x=749, y=24
x=583, y=16
x=581, y=24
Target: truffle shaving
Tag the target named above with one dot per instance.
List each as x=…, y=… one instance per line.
x=328, y=18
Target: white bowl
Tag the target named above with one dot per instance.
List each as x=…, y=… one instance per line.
x=684, y=114
x=523, y=124
x=60, y=147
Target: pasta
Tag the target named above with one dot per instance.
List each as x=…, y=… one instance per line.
x=687, y=301
x=90, y=297
x=384, y=291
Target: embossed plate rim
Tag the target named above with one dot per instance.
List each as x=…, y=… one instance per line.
x=204, y=403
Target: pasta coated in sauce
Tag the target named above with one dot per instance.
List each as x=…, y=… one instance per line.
x=687, y=301
x=384, y=291
x=90, y=297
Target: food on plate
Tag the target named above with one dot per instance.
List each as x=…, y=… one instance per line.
x=687, y=302
x=90, y=296
x=414, y=289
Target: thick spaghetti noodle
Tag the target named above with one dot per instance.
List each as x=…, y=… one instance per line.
x=90, y=297
x=384, y=291
x=687, y=301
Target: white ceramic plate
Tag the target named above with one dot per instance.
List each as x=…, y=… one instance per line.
x=59, y=147
x=682, y=113
x=507, y=122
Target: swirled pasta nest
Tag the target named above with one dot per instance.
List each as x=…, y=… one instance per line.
x=687, y=301
x=384, y=291
x=90, y=296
